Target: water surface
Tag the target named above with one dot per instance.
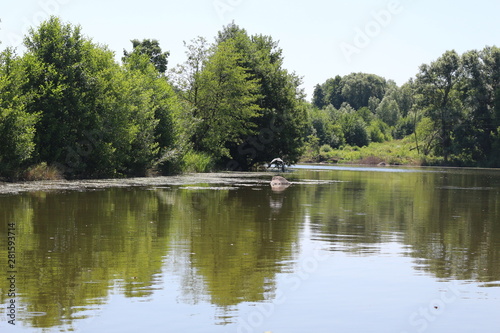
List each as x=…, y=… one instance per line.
x=343, y=249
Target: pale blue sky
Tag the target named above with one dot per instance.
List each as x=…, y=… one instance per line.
x=319, y=38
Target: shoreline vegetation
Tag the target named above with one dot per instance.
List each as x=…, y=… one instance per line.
x=70, y=110
x=395, y=153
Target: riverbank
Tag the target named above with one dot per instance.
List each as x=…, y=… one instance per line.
x=396, y=152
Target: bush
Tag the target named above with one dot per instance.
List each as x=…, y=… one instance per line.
x=404, y=127
x=325, y=149
x=197, y=162
x=355, y=130
x=326, y=153
x=379, y=131
x=42, y=171
x=169, y=163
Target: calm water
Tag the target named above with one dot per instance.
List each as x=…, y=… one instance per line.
x=341, y=250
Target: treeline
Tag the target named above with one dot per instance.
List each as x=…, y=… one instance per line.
x=66, y=104
x=451, y=111
x=68, y=107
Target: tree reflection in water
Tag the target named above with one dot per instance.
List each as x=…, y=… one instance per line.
x=229, y=243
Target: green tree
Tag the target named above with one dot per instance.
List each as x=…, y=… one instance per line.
x=479, y=89
x=405, y=126
x=353, y=126
x=366, y=114
x=319, y=97
x=332, y=93
x=379, y=131
x=373, y=103
x=224, y=98
x=152, y=49
x=167, y=110
x=491, y=57
x=133, y=99
x=95, y=121
x=426, y=135
x=325, y=127
x=437, y=83
x=185, y=76
x=17, y=126
x=281, y=130
x=388, y=111
x=406, y=97
x=357, y=88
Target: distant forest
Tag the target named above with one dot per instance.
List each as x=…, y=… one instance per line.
x=69, y=109
x=450, y=111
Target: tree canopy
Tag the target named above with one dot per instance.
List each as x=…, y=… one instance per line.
x=263, y=113
x=152, y=49
x=68, y=104
x=450, y=111
x=355, y=89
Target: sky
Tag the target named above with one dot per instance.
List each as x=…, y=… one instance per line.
x=320, y=39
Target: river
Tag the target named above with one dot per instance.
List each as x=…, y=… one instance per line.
x=343, y=249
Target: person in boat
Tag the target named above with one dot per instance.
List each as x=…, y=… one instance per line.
x=278, y=162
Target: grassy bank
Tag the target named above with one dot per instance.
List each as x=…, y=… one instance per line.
x=396, y=152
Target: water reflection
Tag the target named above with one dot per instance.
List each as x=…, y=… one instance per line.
x=451, y=219
x=227, y=244
x=74, y=247
x=236, y=243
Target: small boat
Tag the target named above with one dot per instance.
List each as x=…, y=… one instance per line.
x=278, y=163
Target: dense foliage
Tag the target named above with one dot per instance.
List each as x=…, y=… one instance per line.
x=450, y=112
x=67, y=104
x=248, y=109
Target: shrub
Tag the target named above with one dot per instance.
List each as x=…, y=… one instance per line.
x=404, y=127
x=379, y=131
x=42, y=171
x=325, y=149
x=197, y=162
x=355, y=130
x=326, y=153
